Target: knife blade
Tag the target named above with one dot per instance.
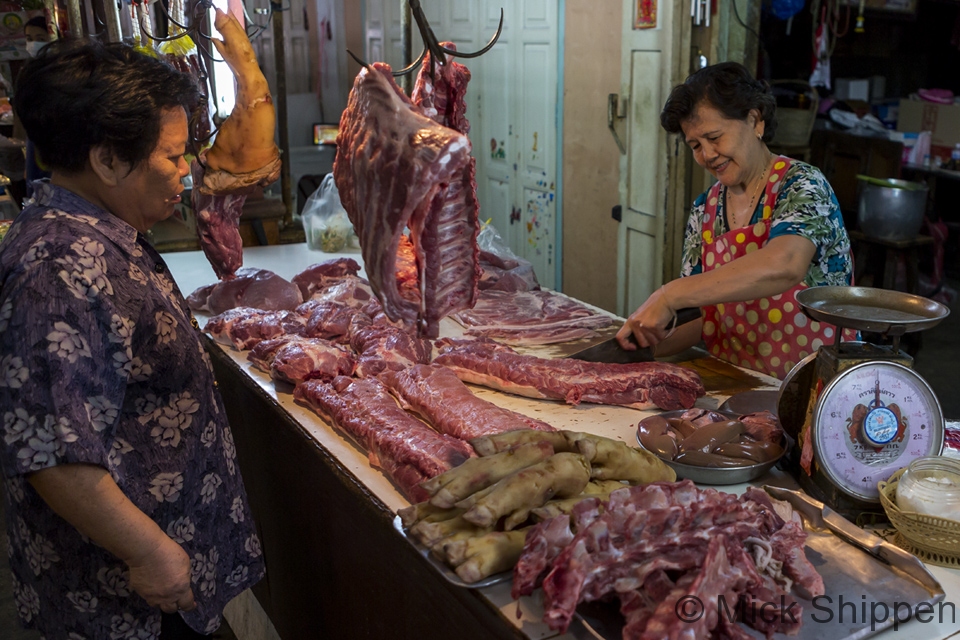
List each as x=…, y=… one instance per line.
x=819, y=516
x=610, y=351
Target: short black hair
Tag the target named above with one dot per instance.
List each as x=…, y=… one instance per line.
x=728, y=87
x=77, y=94
x=36, y=21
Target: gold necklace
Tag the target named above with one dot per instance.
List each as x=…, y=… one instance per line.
x=753, y=199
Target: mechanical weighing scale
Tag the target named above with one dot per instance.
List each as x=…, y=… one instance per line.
x=858, y=411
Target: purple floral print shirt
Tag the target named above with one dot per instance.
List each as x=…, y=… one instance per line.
x=101, y=363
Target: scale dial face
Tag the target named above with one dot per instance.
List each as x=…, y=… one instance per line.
x=872, y=420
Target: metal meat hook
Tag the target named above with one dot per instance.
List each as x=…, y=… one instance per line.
x=438, y=54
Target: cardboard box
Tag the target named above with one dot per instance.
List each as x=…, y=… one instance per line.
x=851, y=89
x=941, y=120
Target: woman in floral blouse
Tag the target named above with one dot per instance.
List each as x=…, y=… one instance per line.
x=126, y=511
x=768, y=228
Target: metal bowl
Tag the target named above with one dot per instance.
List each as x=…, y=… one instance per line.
x=712, y=475
x=891, y=209
x=752, y=401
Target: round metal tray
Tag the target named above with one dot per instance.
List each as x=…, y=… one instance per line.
x=711, y=475
x=794, y=395
x=752, y=401
x=868, y=309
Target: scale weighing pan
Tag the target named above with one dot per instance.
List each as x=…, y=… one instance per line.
x=891, y=313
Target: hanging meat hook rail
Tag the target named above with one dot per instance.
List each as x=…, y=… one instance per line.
x=194, y=30
x=438, y=53
x=202, y=42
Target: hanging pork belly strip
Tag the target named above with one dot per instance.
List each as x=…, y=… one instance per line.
x=398, y=169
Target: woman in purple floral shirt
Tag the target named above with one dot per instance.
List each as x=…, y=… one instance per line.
x=124, y=500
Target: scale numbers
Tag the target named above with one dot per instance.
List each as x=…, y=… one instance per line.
x=872, y=420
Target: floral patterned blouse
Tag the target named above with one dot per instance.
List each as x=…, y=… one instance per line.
x=805, y=206
x=101, y=363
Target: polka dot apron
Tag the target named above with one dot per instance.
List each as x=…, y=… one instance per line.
x=768, y=334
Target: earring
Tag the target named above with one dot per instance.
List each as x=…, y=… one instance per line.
x=759, y=136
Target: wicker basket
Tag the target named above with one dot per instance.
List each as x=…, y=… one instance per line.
x=794, y=126
x=932, y=539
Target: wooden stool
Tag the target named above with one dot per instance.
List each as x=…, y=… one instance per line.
x=879, y=258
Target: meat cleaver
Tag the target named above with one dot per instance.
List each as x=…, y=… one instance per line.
x=610, y=351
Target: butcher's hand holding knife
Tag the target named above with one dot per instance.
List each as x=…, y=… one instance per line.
x=751, y=277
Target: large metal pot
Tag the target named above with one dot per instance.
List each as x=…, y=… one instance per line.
x=891, y=209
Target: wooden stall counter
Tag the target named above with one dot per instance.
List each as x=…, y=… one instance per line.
x=337, y=567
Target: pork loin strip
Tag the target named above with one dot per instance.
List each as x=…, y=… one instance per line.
x=407, y=450
x=437, y=394
x=640, y=385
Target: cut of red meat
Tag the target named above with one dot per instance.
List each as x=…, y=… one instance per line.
x=255, y=288
x=385, y=348
x=245, y=327
x=397, y=169
x=198, y=299
x=441, y=95
x=189, y=63
x=303, y=359
x=438, y=395
x=640, y=385
x=263, y=353
x=543, y=544
x=716, y=576
x=668, y=540
x=405, y=448
x=636, y=607
x=763, y=426
x=531, y=317
x=218, y=220
x=787, y=544
x=327, y=319
x=448, y=260
x=319, y=276
x=349, y=290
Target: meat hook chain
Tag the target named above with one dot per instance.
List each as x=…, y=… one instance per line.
x=201, y=41
x=200, y=8
x=438, y=53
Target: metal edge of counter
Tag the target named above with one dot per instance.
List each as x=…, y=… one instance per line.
x=308, y=594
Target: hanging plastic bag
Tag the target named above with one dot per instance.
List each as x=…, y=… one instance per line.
x=786, y=9
x=503, y=270
x=325, y=221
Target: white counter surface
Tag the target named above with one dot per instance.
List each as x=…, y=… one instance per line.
x=191, y=270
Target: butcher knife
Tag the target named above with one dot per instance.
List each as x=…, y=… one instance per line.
x=610, y=351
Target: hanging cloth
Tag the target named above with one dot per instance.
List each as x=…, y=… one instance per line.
x=821, y=54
